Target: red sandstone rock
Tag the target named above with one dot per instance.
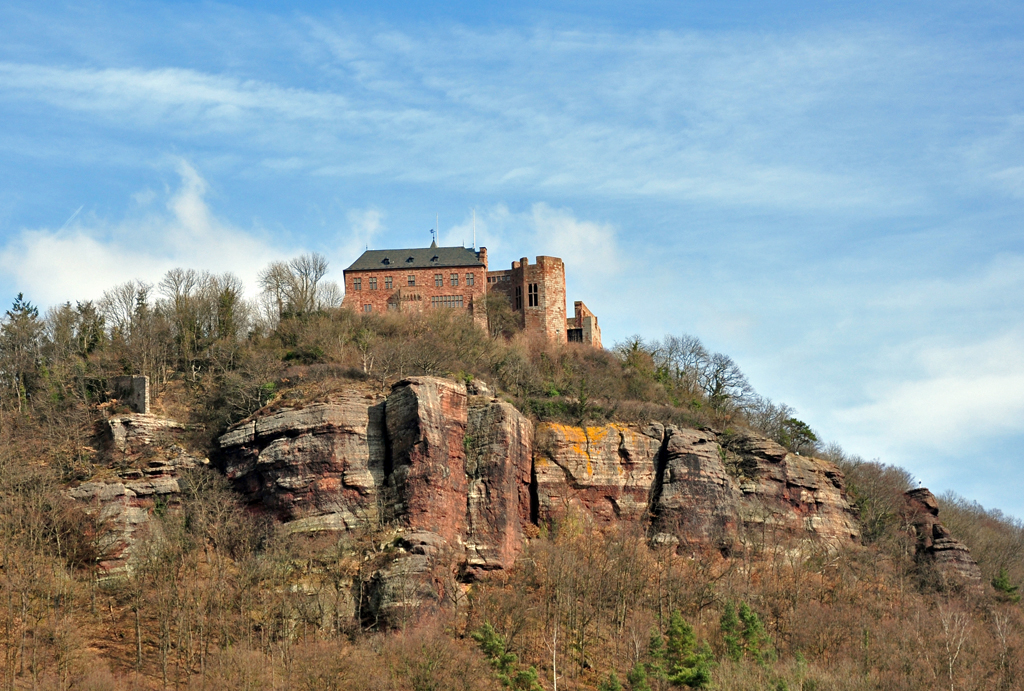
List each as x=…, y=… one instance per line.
x=605, y=473
x=320, y=466
x=790, y=493
x=499, y=450
x=146, y=452
x=935, y=545
x=426, y=419
x=697, y=500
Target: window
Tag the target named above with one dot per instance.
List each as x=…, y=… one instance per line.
x=357, y=284
x=388, y=283
x=519, y=297
x=373, y=283
x=534, y=297
x=453, y=301
x=438, y=280
x=392, y=305
x=454, y=279
x=367, y=308
x=412, y=280
x=469, y=279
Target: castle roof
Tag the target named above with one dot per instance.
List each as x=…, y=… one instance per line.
x=418, y=258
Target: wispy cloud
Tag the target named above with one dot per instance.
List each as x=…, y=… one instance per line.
x=729, y=119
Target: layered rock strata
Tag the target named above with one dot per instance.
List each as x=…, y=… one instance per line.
x=321, y=466
x=146, y=460
x=938, y=548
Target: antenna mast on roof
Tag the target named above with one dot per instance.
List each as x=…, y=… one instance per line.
x=474, y=229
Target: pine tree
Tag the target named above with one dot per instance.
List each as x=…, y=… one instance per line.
x=506, y=671
x=656, y=652
x=612, y=683
x=637, y=678
x=1005, y=588
x=730, y=624
x=687, y=664
x=755, y=639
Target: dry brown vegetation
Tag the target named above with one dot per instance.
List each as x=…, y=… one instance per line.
x=221, y=598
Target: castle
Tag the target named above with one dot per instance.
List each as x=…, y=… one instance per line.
x=457, y=278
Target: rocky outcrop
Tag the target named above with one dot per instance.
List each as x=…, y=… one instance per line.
x=426, y=420
x=794, y=494
x=936, y=547
x=146, y=458
x=320, y=466
x=697, y=500
x=466, y=479
x=499, y=450
x=605, y=473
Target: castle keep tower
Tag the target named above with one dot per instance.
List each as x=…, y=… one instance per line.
x=537, y=293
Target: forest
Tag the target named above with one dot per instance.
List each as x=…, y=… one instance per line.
x=219, y=596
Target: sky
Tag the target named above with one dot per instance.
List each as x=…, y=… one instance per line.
x=831, y=193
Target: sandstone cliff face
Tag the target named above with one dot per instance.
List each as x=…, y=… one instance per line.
x=936, y=547
x=146, y=457
x=786, y=491
x=466, y=478
x=499, y=445
x=606, y=473
x=321, y=466
x=426, y=420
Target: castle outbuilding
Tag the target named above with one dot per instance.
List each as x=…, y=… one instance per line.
x=414, y=280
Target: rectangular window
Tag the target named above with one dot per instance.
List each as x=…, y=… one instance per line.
x=373, y=283
x=412, y=280
x=454, y=279
x=534, y=297
x=438, y=280
x=451, y=301
x=519, y=297
x=367, y=308
x=392, y=305
x=388, y=283
x=470, y=279
x=357, y=284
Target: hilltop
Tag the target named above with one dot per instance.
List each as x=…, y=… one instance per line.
x=200, y=491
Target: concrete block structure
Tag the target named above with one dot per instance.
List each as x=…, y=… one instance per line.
x=133, y=391
x=414, y=280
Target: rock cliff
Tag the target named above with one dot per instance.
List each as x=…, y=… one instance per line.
x=470, y=477
x=145, y=460
x=936, y=547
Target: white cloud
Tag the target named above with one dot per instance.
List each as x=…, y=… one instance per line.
x=963, y=393
x=89, y=256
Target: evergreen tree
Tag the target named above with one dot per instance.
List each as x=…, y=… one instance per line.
x=656, y=653
x=637, y=678
x=686, y=663
x=1004, y=587
x=612, y=683
x=730, y=624
x=756, y=641
x=506, y=669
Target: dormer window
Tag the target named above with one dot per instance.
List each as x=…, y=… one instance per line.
x=409, y=260
x=385, y=260
x=434, y=258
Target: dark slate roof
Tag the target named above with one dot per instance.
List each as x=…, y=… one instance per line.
x=422, y=258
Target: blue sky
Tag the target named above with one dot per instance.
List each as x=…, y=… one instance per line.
x=831, y=193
